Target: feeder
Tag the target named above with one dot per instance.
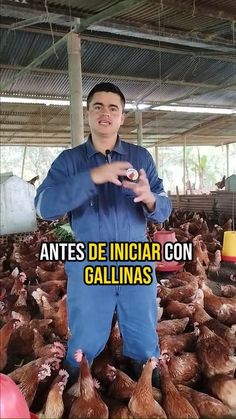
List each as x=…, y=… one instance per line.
x=163, y=237
x=13, y=404
x=229, y=246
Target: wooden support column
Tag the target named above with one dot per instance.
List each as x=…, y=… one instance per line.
x=76, y=96
x=23, y=162
x=227, y=160
x=184, y=165
x=139, y=126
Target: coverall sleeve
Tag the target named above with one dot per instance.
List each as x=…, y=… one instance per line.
x=60, y=192
x=163, y=204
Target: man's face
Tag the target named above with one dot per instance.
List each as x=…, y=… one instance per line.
x=105, y=114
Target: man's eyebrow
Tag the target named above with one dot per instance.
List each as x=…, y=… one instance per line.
x=102, y=104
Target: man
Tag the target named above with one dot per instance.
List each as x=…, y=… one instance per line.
x=88, y=182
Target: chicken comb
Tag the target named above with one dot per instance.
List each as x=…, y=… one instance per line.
x=78, y=355
x=45, y=371
x=96, y=383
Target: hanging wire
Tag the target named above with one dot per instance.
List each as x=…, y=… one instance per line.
x=194, y=8
x=51, y=29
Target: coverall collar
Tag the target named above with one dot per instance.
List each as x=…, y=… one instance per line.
x=119, y=147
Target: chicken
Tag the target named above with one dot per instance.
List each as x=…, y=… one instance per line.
x=200, y=252
x=21, y=341
x=178, y=343
x=57, y=275
x=54, y=406
x=41, y=349
x=184, y=368
x=174, y=404
x=5, y=334
x=100, y=364
x=215, y=259
x=115, y=343
x=214, y=353
x=220, y=307
x=142, y=403
x=205, y=405
x=183, y=293
x=30, y=378
x=59, y=316
x=33, y=180
x=117, y=409
x=122, y=386
x=175, y=309
x=54, y=289
x=89, y=404
x=41, y=325
x=224, y=388
x=228, y=291
x=8, y=281
x=172, y=327
x=228, y=333
x=18, y=284
x=221, y=183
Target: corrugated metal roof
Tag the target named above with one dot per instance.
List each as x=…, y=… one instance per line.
x=164, y=71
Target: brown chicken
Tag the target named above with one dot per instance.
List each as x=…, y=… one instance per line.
x=228, y=291
x=214, y=353
x=225, y=332
x=115, y=343
x=200, y=252
x=178, y=343
x=117, y=408
x=205, y=405
x=177, y=310
x=184, y=368
x=172, y=327
x=5, y=334
x=224, y=388
x=41, y=349
x=57, y=275
x=89, y=404
x=142, y=403
x=30, y=378
x=220, y=307
x=58, y=316
x=182, y=294
x=54, y=289
x=215, y=259
x=99, y=366
x=174, y=404
x=54, y=406
x=121, y=385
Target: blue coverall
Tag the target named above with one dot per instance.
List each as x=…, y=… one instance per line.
x=104, y=213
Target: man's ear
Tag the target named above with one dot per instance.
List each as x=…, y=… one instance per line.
x=122, y=118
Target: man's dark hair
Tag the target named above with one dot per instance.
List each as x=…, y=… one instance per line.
x=106, y=87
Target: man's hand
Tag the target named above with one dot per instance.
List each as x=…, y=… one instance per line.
x=142, y=191
x=110, y=172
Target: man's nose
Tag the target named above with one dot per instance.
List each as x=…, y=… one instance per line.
x=106, y=111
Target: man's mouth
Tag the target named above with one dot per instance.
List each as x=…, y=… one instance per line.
x=105, y=123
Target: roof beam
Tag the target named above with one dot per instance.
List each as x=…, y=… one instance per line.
x=132, y=44
x=198, y=10
x=208, y=124
x=117, y=77
x=153, y=33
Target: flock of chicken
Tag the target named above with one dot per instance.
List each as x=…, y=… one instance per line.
x=196, y=329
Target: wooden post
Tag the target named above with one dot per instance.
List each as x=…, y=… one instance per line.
x=76, y=97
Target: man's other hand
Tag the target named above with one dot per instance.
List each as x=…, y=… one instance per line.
x=110, y=172
x=142, y=191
